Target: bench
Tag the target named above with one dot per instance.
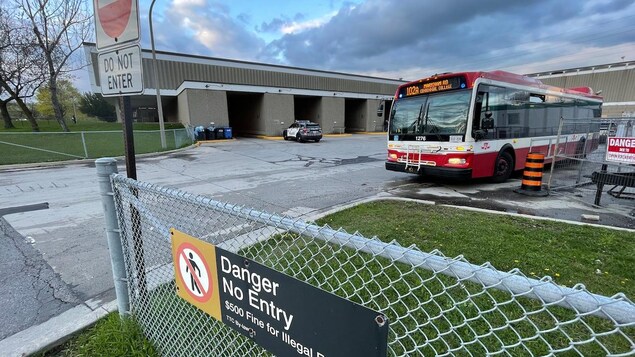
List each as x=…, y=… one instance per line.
x=617, y=179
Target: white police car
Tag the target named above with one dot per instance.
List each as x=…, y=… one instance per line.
x=303, y=130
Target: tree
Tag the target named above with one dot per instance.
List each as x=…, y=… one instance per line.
x=94, y=104
x=60, y=27
x=21, y=65
x=68, y=98
x=6, y=117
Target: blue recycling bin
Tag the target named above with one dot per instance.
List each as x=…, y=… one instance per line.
x=228, y=132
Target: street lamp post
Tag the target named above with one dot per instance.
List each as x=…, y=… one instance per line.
x=156, y=81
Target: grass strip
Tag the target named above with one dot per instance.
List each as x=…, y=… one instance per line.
x=111, y=336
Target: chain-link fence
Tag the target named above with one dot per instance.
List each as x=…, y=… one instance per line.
x=597, y=166
x=19, y=148
x=436, y=305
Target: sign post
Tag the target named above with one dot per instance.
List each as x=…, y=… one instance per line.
x=120, y=74
x=120, y=67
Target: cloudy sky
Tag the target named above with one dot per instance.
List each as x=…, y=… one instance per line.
x=406, y=39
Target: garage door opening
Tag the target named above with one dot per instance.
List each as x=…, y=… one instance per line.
x=307, y=108
x=244, y=110
x=354, y=110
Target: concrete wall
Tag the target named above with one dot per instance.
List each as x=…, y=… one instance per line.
x=271, y=113
x=610, y=111
x=331, y=114
x=201, y=107
x=182, y=108
x=277, y=113
x=373, y=122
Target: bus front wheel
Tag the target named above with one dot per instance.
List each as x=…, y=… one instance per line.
x=503, y=167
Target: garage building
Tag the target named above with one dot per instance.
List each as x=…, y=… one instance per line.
x=255, y=98
x=615, y=82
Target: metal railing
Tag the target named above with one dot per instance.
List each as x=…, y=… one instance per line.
x=584, y=168
x=22, y=147
x=436, y=305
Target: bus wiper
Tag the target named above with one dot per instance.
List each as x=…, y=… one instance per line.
x=425, y=128
x=417, y=123
x=435, y=129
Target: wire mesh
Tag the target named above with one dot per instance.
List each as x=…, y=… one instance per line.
x=592, y=166
x=436, y=305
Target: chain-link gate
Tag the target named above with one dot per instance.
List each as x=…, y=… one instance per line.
x=436, y=305
x=590, y=166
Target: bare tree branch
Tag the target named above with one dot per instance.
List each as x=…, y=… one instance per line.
x=21, y=64
x=60, y=27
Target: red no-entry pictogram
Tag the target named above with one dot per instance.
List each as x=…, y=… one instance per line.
x=116, y=22
x=194, y=272
x=114, y=17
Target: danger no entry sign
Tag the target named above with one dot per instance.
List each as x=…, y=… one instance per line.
x=286, y=316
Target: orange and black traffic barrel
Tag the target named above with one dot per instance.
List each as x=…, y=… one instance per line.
x=532, y=175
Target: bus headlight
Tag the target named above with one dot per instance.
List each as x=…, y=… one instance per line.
x=457, y=161
x=393, y=156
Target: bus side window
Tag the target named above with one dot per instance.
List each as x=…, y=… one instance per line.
x=478, y=105
x=477, y=132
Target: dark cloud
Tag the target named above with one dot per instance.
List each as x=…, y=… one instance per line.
x=380, y=36
x=411, y=38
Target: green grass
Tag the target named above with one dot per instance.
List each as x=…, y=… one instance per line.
x=430, y=310
x=111, y=336
x=178, y=326
x=568, y=253
x=102, y=139
x=83, y=125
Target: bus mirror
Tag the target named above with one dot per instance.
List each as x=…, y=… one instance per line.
x=380, y=110
x=487, y=123
x=478, y=135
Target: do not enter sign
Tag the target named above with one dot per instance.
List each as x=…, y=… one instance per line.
x=120, y=71
x=116, y=22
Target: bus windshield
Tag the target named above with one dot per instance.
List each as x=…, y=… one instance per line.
x=437, y=114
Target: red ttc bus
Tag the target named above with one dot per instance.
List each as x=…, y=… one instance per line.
x=483, y=124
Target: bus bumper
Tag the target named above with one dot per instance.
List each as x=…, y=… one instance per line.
x=461, y=174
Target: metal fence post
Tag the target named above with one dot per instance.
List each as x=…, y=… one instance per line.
x=105, y=168
x=84, y=143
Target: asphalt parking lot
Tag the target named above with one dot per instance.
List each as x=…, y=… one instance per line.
x=66, y=245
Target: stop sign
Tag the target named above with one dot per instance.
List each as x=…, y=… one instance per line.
x=116, y=22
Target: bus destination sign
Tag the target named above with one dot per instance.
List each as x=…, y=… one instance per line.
x=285, y=316
x=432, y=86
